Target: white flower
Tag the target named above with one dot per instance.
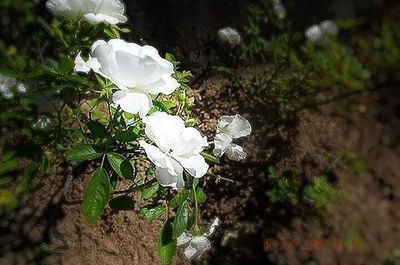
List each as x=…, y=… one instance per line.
x=6, y=83
x=314, y=34
x=329, y=27
x=137, y=71
x=197, y=244
x=43, y=123
x=230, y=36
x=317, y=34
x=279, y=9
x=228, y=129
x=94, y=11
x=178, y=148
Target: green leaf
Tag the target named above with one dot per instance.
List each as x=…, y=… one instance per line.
x=4, y=180
x=179, y=199
x=96, y=196
x=121, y=165
x=201, y=196
x=83, y=152
x=166, y=244
x=151, y=191
x=122, y=203
x=8, y=166
x=151, y=212
x=125, y=136
x=209, y=157
x=97, y=129
x=181, y=220
x=160, y=106
x=65, y=65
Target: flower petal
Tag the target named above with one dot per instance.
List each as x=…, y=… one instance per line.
x=170, y=178
x=80, y=64
x=221, y=144
x=213, y=226
x=235, y=152
x=133, y=102
x=235, y=126
x=196, y=247
x=184, y=238
x=195, y=165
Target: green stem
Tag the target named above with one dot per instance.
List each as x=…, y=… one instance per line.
x=196, y=228
x=136, y=188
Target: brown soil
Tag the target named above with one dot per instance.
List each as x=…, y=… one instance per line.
x=362, y=228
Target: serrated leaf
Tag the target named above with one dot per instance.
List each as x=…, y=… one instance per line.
x=122, y=203
x=96, y=196
x=151, y=212
x=181, y=220
x=83, y=152
x=125, y=136
x=201, y=196
x=151, y=191
x=166, y=244
x=97, y=129
x=179, y=199
x=121, y=165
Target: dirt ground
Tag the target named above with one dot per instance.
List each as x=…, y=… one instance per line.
x=361, y=228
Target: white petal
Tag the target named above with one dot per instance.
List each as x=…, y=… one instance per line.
x=80, y=64
x=164, y=129
x=170, y=178
x=235, y=126
x=157, y=156
x=191, y=143
x=235, y=152
x=221, y=144
x=184, y=238
x=133, y=102
x=195, y=165
x=196, y=247
x=167, y=86
x=213, y=226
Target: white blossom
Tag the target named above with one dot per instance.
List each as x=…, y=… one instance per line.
x=318, y=33
x=197, y=245
x=43, y=123
x=6, y=84
x=177, y=148
x=230, y=36
x=94, y=11
x=279, y=9
x=137, y=71
x=228, y=129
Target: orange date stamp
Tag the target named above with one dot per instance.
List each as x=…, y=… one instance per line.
x=336, y=245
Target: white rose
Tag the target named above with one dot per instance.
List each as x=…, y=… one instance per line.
x=137, y=71
x=94, y=11
x=178, y=148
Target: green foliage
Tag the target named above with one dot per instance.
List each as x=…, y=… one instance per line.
x=121, y=165
x=122, y=203
x=181, y=220
x=316, y=196
x=166, y=244
x=151, y=212
x=83, y=152
x=96, y=195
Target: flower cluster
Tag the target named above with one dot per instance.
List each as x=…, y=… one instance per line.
x=228, y=129
x=132, y=78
